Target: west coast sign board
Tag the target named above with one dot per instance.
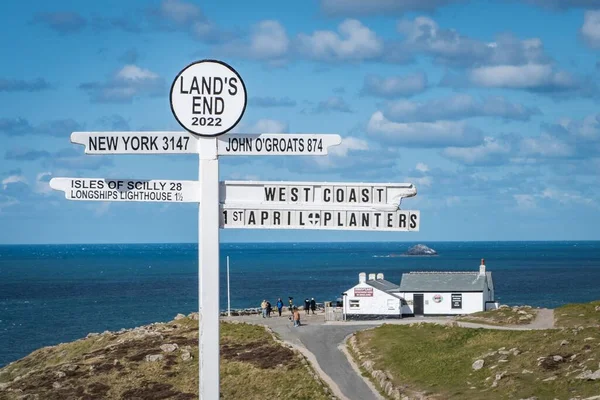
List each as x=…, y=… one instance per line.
x=267, y=144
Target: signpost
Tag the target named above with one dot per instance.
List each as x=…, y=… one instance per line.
x=208, y=98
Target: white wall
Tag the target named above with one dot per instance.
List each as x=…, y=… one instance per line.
x=471, y=302
x=381, y=303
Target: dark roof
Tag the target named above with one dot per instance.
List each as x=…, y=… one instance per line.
x=382, y=285
x=444, y=281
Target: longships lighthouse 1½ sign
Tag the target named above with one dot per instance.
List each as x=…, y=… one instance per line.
x=208, y=99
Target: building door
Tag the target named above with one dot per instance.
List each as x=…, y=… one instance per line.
x=418, y=304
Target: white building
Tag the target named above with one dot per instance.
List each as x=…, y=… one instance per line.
x=447, y=293
x=372, y=298
x=421, y=293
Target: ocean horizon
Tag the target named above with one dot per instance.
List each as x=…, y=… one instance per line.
x=56, y=293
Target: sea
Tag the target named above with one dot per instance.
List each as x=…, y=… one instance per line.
x=51, y=294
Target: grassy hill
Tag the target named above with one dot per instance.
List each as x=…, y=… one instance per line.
x=449, y=362
x=159, y=361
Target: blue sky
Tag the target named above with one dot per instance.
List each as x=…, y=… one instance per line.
x=489, y=107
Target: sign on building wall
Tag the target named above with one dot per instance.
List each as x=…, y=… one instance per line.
x=363, y=292
x=438, y=298
x=456, y=300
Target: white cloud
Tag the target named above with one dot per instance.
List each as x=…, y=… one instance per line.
x=383, y=7
x=269, y=40
x=179, y=11
x=565, y=197
x=525, y=201
x=422, y=167
x=129, y=82
x=12, y=179
x=492, y=152
x=545, y=146
x=457, y=107
x=529, y=76
x=423, y=134
x=135, y=73
x=333, y=103
x=352, y=42
x=394, y=86
x=42, y=185
x=590, y=30
x=263, y=126
x=348, y=144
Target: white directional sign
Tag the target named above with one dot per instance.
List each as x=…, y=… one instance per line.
x=268, y=144
x=316, y=195
x=334, y=219
x=101, y=189
x=208, y=98
x=136, y=142
x=277, y=144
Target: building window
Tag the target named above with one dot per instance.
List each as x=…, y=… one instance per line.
x=354, y=303
x=391, y=303
x=456, y=300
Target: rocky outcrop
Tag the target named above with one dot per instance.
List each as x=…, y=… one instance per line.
x=420, y=250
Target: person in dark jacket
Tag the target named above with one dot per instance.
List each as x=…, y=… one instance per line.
x=279, y=306
x=306, y=306
x=313, y=305
x=269, y=309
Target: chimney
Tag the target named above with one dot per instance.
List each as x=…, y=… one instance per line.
x=371, y=277
x=380, y=276
x=482, y=267
x=362, y=277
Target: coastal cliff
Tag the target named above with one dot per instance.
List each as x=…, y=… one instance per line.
x=159, y=361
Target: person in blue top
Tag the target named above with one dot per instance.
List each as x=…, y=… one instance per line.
x=279, y=306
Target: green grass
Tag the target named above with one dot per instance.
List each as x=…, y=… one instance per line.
x=574, y=315
x=501, y=316
x=437, y=360
x=253, y=366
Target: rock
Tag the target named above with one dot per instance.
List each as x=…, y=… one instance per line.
x=59, y=374
x=169, y=347
x=498, y=377
x=589, y=375
x=564, y=343
x=588, y=339
x=530, y=398
x=56, y=385
x=179, y=316
x=154, y=357
x=477, y=365
x=3, y=386
x=557, y=358
x=504, y=352
x=90, y=335
x=503, y=306
x=552, y=378
x=526, y=371
x=186, y=355
x=368, y=365
x=420, y=250
x=597, y=308
x=193, y=316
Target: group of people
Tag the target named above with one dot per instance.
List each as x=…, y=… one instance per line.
x=309, y=305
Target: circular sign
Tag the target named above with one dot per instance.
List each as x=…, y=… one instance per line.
x=438, y=298
x=208, y=98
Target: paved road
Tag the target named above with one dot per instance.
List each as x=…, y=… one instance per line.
x=322, y=340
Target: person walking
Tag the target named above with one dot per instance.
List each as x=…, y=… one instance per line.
x=313, y=305
x=296, y=317
x=291, y=305
x=263, y=306
x=306, y=306
x=279, y=306
x=269, y=308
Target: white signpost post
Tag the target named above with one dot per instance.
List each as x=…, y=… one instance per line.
x=208, y=98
